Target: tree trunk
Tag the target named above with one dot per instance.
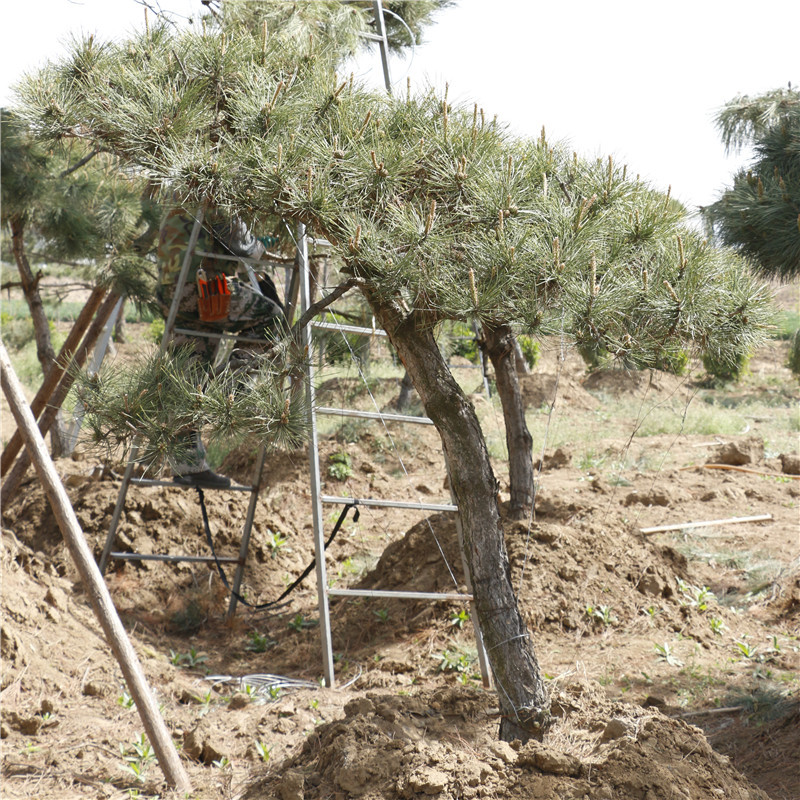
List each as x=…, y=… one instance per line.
x=404, y=397
x=500, y=342
x=41, y=327
x=521, y=689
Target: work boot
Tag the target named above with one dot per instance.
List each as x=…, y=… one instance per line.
x=205, y=480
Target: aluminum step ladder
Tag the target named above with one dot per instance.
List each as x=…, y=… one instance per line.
x=318, y=499
x=128, y=480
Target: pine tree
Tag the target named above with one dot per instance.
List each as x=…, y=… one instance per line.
x=760, y=213
x=436, y=212
x=68, y=205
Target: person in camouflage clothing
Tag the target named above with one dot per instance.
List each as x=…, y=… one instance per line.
x=250, y=313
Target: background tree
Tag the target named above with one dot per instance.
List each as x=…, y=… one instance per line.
x=760, y=213
x=436, y=212
x=70, y=206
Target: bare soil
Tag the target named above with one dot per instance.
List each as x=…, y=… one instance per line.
x=672, y=656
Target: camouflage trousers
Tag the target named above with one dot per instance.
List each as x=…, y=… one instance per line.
x=251, y=315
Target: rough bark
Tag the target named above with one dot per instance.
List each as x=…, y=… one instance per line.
x=500, y=342
x=41, y=327
x=520, y=686
x=404, y=397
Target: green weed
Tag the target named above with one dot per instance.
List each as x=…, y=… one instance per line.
x=191, y=659
x=259, y=642
x=263, y=751
x=275, y=541
x=458, y=618
x=138, y=757
x=340, y=466
x=664, y=653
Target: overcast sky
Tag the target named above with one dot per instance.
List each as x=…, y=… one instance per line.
x=640, y=80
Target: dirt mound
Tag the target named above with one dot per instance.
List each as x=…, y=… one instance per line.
x=619, y=381
x=159, y=520
x=540, y=389
x=440, y=744
x=582, y=577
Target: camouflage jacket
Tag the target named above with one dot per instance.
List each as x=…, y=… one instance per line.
x=229, y=237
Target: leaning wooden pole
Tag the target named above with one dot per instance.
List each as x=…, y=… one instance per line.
x=103, y=606
x=54, y=374
x=48, y=418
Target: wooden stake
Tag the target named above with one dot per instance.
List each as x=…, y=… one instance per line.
x=54, y=374
x=705, y=524
x=739, y=469
x=98, y=593
x=48, y=418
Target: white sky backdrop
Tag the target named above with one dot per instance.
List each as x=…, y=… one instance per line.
x=636, y=78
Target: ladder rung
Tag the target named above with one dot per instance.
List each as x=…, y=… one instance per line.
x=352, y=412
x=156, y=557
x=333, y=326
x=371, y=36
x=399, y=595
x=234, y=487
x=388, y=503
x=227, y=335
x=224, y=257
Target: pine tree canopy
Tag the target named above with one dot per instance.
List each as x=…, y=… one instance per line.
x=77, y=205
x=434, y=206
x=760, y=214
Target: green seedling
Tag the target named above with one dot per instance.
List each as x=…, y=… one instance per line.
x=275, y=541
x=258, y=642
x=138, y=757
x=746, y=650
x=263, y=751
x=717, y=625
x=125, y=700
x=602, y=613
x=664, y=653
x=458, y=618
x=221, y=763
x=382, y=614
x=192, y=659
x=249, y=690
x=698, y=596
x=299, y=622
x=340, y=467
x=453, y=661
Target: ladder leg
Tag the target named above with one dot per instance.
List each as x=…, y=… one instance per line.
x=123, y=491
x=313, y=455
x=248, y=527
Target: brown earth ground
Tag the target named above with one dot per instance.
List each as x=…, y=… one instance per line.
x=672, y=657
